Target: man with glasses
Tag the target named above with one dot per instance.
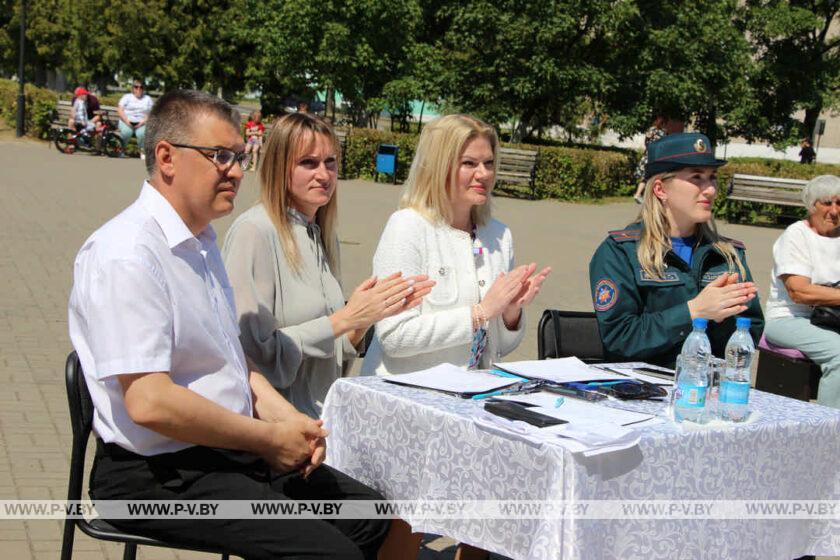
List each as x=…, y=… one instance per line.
x=179, y=415
x=133, y=109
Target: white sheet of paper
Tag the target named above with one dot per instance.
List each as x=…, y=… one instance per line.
x=559, y=370
x=587, y=438
x=577, y=411
x=447, y=377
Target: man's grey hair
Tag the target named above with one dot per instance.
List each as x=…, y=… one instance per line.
x=820, y=188
x=174, y=113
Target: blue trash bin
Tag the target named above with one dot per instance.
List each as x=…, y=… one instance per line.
x=386, y=160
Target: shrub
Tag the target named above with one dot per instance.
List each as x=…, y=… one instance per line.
x=581, y=173
x=360, y=155
x=586, y=173
x=40, y=107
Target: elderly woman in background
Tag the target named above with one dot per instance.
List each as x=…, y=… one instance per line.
x=806, y=260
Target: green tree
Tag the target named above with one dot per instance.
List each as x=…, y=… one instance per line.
x=686, y=60
x=522, y=62
x=46, y=37
x=88, y=43
x=349, y=46
x=798, y=67
x=187, y=43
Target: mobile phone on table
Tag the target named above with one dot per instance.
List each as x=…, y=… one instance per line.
x=515, y=411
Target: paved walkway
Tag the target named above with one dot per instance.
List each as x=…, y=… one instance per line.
x=52, y=202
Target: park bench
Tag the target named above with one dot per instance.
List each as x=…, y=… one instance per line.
x=767, y=190
x=64, y=110
x=518, y=167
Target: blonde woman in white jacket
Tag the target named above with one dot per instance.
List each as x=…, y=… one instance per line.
x=474, y=313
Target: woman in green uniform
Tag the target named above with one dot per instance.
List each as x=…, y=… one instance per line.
x=670, y=266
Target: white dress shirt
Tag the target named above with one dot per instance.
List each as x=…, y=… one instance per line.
x=440, y=329
x=149, y=296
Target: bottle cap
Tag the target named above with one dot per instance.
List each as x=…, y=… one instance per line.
x=742, y=323
x=700, y=323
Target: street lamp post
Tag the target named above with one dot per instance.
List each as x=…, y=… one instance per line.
x=21, y=99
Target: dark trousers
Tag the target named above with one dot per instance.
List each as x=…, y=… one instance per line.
x=202, y=473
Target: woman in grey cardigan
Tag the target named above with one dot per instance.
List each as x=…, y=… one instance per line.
x=283, y=263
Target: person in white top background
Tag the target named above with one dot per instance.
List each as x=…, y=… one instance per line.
x=474, y=313
x=134, y=109
x=806, y=261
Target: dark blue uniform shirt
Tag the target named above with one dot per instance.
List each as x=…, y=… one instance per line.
x=646, y=318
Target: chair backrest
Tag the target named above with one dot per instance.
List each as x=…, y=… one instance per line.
x=569, y=333
x=81, y=419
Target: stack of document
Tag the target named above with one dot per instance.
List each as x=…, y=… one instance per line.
x=559, y=370
x=453, y=380
x=591, y=429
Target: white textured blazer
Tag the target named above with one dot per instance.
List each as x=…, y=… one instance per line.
x=440, y=329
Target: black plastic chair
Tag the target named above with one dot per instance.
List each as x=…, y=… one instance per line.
x=562, y=334
x=81, y=419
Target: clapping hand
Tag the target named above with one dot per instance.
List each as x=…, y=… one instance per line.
x=530, y=287
x=378, y=298
x=722, y=298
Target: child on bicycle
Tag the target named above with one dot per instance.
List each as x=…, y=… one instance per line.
x=80, y=119
x=254, y=130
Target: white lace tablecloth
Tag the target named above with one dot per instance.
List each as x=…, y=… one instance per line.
x=415, y=444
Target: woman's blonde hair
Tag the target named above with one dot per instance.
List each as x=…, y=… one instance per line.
x=434, y=171
x=289, y=137
x=655, y=240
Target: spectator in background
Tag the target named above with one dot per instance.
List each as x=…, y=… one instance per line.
x=806, y=269
x=134, y=110
x=807, y=153
x=82, y=117
x=303, y=107
x=254, y=132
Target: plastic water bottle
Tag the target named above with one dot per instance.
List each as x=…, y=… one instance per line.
x=692, y=383
x=735, y=384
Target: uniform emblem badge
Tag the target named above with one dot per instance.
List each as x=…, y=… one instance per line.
x=606, y=295
x=699, y=145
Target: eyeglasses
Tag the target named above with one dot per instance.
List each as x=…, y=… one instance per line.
x=221, y=156
x=137, y=86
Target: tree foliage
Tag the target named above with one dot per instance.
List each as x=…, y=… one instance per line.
x=798, y=65
x=683, y=60
x=525, y=62
x=347, y=45
x=730, y=67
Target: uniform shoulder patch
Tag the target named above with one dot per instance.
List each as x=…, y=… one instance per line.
x=735, y=242
x=606, y=294
x=622, y=235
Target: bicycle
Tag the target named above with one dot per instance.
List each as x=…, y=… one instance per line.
x=104, y=139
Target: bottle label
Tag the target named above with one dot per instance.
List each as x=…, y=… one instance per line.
x=733, y=392
x=693, y=396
